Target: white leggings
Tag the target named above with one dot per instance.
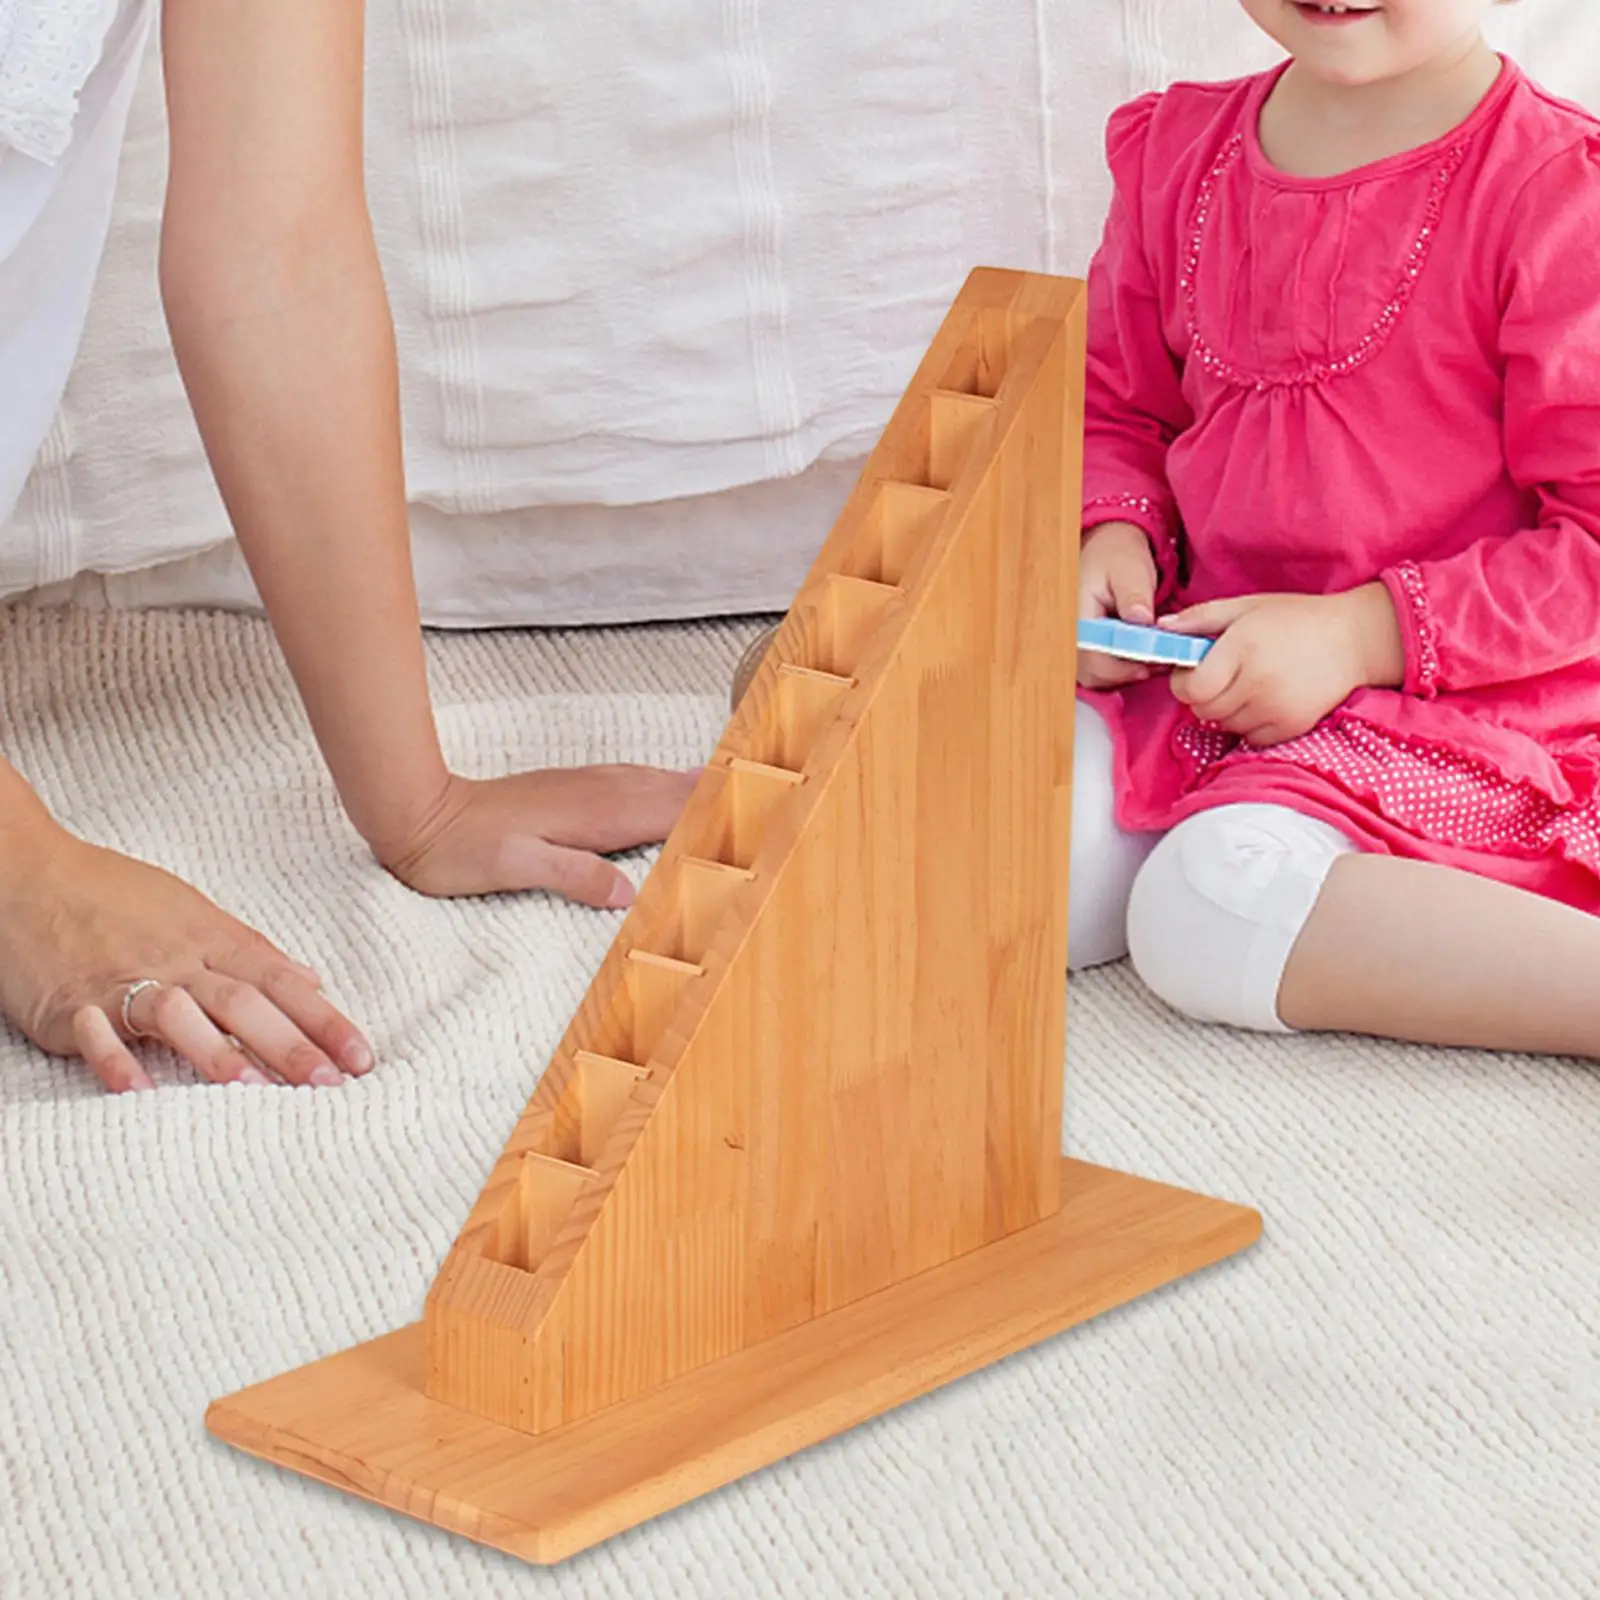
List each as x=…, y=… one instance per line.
x=1208, y=912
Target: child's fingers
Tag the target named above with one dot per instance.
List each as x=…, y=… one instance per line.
x=1231, y=709
x=1120, y=584
x=1198, y=687
x=1242, y=721
x=1106, y=682
x=1097, y=671
x=1133, y=593
x=1214, y=616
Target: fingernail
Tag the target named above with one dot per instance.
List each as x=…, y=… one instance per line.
x=357, y=1057
x=621, y=895
x=327, y=1076
x=253, y=1075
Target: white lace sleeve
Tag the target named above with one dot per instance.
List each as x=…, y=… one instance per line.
x=48, y=48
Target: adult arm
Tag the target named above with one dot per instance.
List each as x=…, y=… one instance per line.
x=281, y=324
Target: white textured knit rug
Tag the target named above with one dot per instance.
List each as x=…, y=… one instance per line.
x=1393, y=1394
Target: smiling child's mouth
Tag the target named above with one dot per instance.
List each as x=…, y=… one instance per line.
x=1315, y=12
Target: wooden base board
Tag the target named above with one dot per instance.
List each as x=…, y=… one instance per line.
x=361, y=1421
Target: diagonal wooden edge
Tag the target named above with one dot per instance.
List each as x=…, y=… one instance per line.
x=983, y=445
x=1043, y=306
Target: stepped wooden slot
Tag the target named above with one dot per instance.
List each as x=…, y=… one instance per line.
x=798, y=1157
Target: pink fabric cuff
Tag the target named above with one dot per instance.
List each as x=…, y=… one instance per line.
x=1409, y=591
x=1142, y=512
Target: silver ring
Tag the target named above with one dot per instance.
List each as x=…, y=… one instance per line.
x=127, y=1002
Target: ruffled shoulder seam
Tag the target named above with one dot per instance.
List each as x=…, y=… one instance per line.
x=1556, y=173
x=1179, y=112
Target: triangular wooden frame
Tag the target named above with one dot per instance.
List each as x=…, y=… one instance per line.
x=797, y=1158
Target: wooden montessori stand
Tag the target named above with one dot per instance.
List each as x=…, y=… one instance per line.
x=797, y=1159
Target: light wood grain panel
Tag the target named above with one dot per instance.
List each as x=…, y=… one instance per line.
x=362, y=1420
x=852, y=1040
x=796, y=1159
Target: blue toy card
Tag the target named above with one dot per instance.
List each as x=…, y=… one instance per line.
x=1129, y=642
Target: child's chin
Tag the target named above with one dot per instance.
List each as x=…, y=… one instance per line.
x=1353, y=80
x=1346, y=73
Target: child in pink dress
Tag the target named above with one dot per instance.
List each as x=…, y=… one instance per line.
x=1344, y=416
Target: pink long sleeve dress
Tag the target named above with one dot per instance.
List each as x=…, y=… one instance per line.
x=1311, y=384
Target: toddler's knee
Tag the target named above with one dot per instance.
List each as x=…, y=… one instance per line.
x=1216, y=910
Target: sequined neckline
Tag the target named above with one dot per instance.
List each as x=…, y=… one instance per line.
x=1369, y=344
x=1433, y=152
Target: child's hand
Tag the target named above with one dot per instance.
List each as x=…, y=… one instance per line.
x=1282, y=662
x=1116, y=578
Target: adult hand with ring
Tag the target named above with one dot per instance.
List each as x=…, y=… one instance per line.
x=98, y=950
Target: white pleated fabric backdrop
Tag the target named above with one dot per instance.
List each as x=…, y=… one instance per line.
x=658, y=257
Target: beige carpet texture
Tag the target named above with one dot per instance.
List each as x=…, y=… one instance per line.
x=1396, y=1393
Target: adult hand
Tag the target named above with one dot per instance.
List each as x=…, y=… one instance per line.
x=1116, y=578
x=79, y=925
x=539, y=830
x=1282, y=662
